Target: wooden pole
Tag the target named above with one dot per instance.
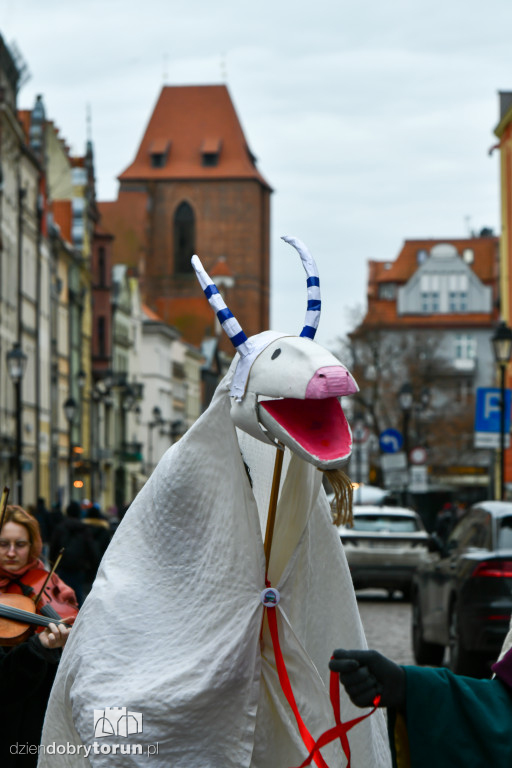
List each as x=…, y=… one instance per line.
x=272, y=507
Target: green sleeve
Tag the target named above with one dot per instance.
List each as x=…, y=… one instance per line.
x=455, y=721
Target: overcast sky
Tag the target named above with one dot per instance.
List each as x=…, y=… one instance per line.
x=372, y=121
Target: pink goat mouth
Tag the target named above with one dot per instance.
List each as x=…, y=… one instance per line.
x=319, y=426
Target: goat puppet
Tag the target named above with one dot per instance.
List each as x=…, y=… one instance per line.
x=170, y=655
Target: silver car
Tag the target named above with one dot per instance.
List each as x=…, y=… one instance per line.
x=384, y=547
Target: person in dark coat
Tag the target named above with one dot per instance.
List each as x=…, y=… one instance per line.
x=435, y=718
x=101, y=536
x=75, y=538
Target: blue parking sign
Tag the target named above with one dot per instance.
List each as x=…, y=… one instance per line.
x=488, y=410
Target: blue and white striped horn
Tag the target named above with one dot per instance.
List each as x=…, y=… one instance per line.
x=313, y=284
x=227, y=320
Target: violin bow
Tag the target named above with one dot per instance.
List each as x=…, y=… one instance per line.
x=54, y=568
x=3, y=505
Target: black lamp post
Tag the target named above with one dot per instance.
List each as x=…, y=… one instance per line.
x=16, y=364
x=70, y=409
x=502, y=347
x=405, y=399
x=157, y=422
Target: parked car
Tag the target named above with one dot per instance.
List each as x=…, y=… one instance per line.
x=462, y=596
x=384, y=547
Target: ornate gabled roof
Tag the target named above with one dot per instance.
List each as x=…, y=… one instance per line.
x=408, y=260
x=194, y=132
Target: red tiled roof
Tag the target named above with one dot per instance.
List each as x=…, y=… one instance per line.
x=192, y=316
x=126, y=217
x=62, y=216
x=24, y=118
x=211, y=121
x=221, y=269
x=151, y=315
x=383, y=313
x=406, y=264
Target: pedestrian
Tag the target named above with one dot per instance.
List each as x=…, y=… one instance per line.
x=27, y=670
x=101, y=535
x=435, y=718
x=74, y=537
x=445, y=521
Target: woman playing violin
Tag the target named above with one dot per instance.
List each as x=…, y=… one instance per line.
x=28, y=668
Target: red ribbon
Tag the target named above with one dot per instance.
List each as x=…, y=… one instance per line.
x=339, y=731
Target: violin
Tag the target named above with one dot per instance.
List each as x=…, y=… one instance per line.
x=28, y=602
x=18, y=617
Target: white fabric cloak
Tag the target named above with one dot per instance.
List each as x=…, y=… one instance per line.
x=171, y=629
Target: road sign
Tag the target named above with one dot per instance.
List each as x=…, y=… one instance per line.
x=390, y=441
x=488, y=417
x=418, y=455
x=418, y=479
x=360, y=434
x=396, y=479
x=391, y=461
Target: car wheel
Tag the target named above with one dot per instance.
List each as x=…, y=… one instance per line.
x=424, y=652
x=460, y=660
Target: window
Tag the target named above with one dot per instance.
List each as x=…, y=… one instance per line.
x=430, y=301
x=388, y=523
x=465, y=346
x=101, y=336
x=387, y=291
x=477, y=535
x=457, y=301
x=78, y=177
x=178, y=370
x=505, y=533
x=184, y=237
x=159, y=152
x=210, y=159
x=457, y=293
x=157, y=160
x=210, y=152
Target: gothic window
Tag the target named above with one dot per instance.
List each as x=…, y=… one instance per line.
x=184, y=238
x=102, y=347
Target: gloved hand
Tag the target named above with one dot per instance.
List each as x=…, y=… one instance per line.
x=367, y=674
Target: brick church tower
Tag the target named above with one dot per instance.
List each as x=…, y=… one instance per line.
x=194, y=187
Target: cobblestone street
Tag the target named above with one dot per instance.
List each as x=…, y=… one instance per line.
x=387, y=624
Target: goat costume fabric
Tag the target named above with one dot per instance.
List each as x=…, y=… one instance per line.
x=171, y=628
x=172, y=635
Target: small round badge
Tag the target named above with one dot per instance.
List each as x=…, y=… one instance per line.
x=270, y=597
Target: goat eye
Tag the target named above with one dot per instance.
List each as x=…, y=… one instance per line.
x=275, y=354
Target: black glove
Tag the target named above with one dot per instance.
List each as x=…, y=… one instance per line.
x=367, y=674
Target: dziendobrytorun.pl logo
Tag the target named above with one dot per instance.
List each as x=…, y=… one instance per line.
x=111, y=721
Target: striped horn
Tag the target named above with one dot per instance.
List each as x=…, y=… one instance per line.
x=313, y=284
x=227, y=320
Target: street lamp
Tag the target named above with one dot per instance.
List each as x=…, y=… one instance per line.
x=70, y=410
x=502, y=348
x=405, y=399
x=16, y=364
x=81, y=378
x=157, y=422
